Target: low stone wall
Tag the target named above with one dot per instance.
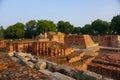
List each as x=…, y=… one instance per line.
x=3, y=45
x=51, y=49
x=83, y=41
x=110, y=49
x=25, y=46
x=40, y=48
x=110, y=41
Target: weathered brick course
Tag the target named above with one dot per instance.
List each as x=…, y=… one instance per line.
x=83, y=41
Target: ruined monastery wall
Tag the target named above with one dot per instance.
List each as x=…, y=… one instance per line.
x=84, y=41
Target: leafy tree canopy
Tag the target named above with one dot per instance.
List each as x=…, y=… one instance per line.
x=15, y=31
x=100, y=27
x=45, y=26
x=1, y=33
x=115, y=24
x=30, y=29
x=65, y=27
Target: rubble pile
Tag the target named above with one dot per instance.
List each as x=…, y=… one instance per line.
x=40, y=65
x=23, y=73
x=6, y=62
x=11, y=70
x=31, y=67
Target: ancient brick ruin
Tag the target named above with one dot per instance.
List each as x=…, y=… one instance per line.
x=6, y=62
x=19, y=45
x=51, y=49
x=51, y=36
x=56, y=47
x=83, y=41
x=50, y=44
x=39, y=48
x=11, y=70
x=24, y=66
x=3, y=45
x=110, y=41
x=107, y=65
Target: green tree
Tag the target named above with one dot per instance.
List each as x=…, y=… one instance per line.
x=115, y=24
x=1, y=33
x=87, y=29
x=65, y=27
x=77, y=30
x=100, y=27
x=30, y=29
x=15, y=31
x=45, y=26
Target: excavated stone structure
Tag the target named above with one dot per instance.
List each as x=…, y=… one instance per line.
x=110, y=43
x=52, y=45
x=51, y=36
x=20, y=45
x=47, y=44
x=78, y=59
x=40, y=48
x=108, y=61
x=50, y=49
x=3, y=45
x=83, y=41
x=107, y=65
x=6, y=62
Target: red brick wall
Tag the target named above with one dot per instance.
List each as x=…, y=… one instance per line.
x=110, y=41
x=84, y=41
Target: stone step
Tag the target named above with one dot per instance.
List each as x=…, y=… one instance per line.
x=82, y=64
x=107, y=63
x=88, y=75
x=56, y=75
x=105, y=70
x=82, y=61
x=75, y=56
x=61, y=76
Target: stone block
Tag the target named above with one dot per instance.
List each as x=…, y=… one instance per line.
x=42, y=65
x=61, y=76
x=11, y=54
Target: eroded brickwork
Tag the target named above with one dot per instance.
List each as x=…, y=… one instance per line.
x=51, y=49
x=40, y=48
x=6, y=62
x=20, y=45
x=51, y=36
x=3, y=45
x=107, y=65
x=110, y=41
x=83, y=41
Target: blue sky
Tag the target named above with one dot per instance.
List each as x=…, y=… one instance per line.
x=77, y=12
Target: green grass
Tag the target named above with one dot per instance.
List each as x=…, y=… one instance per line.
x=95, y=42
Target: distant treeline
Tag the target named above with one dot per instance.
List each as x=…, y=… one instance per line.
x=33, y=28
